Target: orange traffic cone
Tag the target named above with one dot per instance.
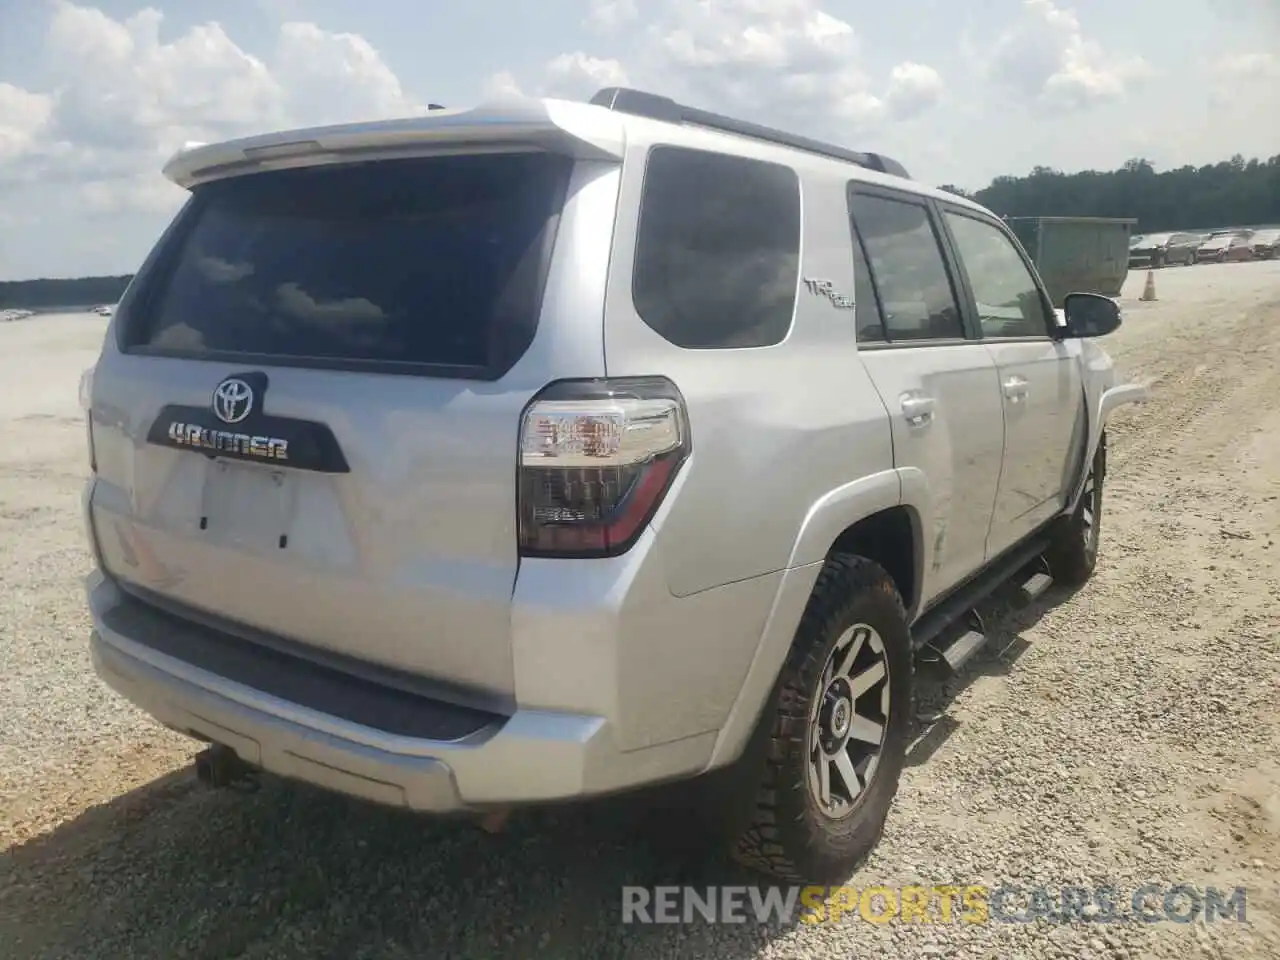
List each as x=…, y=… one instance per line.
x=1149, y=290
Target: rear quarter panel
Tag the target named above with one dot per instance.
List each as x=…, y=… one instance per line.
x=774, y=429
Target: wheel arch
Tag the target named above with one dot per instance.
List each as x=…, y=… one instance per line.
x=881, y=517
x=891, y=538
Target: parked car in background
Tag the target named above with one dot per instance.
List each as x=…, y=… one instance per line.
x=1265, y=244
x=1224, y=249
x=1163, y=249
x=1149, y=251
x=1182, y=247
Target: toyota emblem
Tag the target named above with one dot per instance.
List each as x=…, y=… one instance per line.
x=232, y=400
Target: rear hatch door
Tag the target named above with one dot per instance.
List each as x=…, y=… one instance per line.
x=306, y=414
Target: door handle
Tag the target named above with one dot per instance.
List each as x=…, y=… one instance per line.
x=917, y=410
x=1015, y=388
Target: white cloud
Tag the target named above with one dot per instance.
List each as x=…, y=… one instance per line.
x=129, y=89
x=1244, y=91
x=331, y=77
x=1045, y=55
x=501, y=84
x=770, y=56
x=571, y=76
x=124, y=89
x=23, y=117
x=128, y=99
x=913, y=89
x=137, y=193
x=579, y=75
x=1248, y=66
x=762, y=58
x=609, y=16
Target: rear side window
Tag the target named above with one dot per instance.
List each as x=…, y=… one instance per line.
x=718, y=249
x=436, y=262
x=916, y=297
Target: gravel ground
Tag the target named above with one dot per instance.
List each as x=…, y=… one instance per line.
x=1122, y=735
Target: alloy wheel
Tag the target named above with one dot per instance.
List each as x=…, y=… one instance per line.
x=1091, y=507
x=848, y=720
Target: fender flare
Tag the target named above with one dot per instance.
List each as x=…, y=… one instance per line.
x=1112, y=397
x=830, y=515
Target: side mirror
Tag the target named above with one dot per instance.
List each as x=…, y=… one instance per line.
x=1089, y=315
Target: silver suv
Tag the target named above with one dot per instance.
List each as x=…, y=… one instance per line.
x=548, y=450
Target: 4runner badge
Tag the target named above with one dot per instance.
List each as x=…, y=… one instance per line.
x=234, y=424
x=825, y=288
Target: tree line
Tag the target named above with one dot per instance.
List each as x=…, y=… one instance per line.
x=50, y=294
x=1235, y=192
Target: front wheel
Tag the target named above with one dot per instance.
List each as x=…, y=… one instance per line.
x=1073, y=555
x=840, y=723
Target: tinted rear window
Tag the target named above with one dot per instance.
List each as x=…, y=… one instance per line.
x=437, y=262
x=718, y=251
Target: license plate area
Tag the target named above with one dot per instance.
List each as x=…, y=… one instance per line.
x=247, y=506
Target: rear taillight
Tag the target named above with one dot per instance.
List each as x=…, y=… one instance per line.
x=86, y=405
x=596, y=459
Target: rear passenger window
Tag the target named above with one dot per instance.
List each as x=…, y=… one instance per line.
x=1007, y=297
x=718, y=249
x=916, y=296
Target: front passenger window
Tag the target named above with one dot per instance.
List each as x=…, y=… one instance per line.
x=1007, y=296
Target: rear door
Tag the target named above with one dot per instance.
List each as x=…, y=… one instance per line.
x=307, y=412
x=1040, y=385
x=938, y=383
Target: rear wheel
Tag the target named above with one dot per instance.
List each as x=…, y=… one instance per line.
x=1074, y=553
x=839, y=730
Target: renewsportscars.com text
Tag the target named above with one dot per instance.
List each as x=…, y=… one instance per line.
x=941, y=903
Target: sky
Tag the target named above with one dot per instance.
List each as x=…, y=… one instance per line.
x=95, y=97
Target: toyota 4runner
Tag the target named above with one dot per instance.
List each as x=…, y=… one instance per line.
x=548, y=450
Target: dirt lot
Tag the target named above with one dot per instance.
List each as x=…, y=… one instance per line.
x=1124, y=735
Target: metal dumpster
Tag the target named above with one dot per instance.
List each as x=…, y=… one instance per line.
x=1077, y=254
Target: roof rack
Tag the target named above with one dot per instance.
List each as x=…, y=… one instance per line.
x=641, y=104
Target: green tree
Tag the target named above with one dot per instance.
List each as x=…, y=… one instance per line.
x=1234, y=192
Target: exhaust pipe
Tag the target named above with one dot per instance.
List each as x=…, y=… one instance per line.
x=219, y=766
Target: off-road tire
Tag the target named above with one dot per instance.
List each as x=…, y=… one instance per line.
x=788, y=836
x=1072, y=556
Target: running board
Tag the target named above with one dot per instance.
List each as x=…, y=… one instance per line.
x=963, y=649
x=931, y=624
x=1036, y=586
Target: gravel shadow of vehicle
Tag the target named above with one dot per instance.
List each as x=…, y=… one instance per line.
x=1006, y=620
x=173, y=869
x=176, y=870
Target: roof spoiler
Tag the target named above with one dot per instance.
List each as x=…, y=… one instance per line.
x=551, y=124
x=641, y=104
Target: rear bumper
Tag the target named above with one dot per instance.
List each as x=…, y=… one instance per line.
x=529, y=757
